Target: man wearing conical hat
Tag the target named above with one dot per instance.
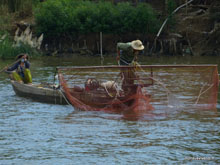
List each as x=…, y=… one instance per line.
x=127, y=52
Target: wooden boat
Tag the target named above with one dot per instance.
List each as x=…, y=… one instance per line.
x=99, y=99
x=39, y=92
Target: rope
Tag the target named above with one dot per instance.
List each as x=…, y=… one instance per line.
x=123, y=62
x=64, y=96
x=200, y=92
x=159, y=82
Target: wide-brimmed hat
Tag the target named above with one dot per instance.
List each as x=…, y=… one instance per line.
x=21, y=55
x=137, y=45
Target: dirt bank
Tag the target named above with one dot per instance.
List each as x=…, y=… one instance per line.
x=200, y=25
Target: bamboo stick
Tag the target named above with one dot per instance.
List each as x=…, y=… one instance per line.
x=164, y=23
x=5, y=68
x=172, y=14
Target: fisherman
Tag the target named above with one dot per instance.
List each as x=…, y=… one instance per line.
x=21, y=69
x=127, y=52
x=127, y=55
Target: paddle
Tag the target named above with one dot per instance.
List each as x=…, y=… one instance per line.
x=6, y=67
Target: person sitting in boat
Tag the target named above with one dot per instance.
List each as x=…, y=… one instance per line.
x=91, y=84
x=21, y=69
x=127, y=55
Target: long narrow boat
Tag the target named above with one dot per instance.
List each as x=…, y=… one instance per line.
x=39, y=92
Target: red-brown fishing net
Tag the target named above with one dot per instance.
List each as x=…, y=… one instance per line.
x=139, y=89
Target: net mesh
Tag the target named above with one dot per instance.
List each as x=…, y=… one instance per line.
x=141, y=88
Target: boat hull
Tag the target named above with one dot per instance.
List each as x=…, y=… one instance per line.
x=134, y=103
x=38, y=93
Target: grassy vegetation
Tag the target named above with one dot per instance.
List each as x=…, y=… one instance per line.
x=8, y=50
x=11, y=11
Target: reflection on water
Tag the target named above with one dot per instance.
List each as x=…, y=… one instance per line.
x=39, y=133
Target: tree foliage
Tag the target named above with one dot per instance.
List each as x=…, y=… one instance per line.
x=73, y=17
x=171, y=6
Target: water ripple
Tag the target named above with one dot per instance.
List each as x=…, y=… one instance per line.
x=38, y=133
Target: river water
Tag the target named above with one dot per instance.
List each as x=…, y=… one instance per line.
x=40, y=133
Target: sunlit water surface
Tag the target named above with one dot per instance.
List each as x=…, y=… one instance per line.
x=39, y=133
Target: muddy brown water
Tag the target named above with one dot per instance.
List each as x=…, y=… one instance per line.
x=40, y=133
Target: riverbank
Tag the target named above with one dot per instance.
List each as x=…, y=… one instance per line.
x=196, y=32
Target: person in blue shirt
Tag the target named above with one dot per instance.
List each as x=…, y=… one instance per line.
x=21, y=70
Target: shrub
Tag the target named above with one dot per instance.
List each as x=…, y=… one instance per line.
x=146, y=20
x=50, y=18
x=170, y=8
x=124, y=17
x=73, y=17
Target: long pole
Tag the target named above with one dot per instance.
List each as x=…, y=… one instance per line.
x=101, y=44
x=101, y=48
x=10, y=64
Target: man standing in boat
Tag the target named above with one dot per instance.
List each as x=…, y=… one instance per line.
x=21, y=69
x=127, y=55
x=127, y=52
